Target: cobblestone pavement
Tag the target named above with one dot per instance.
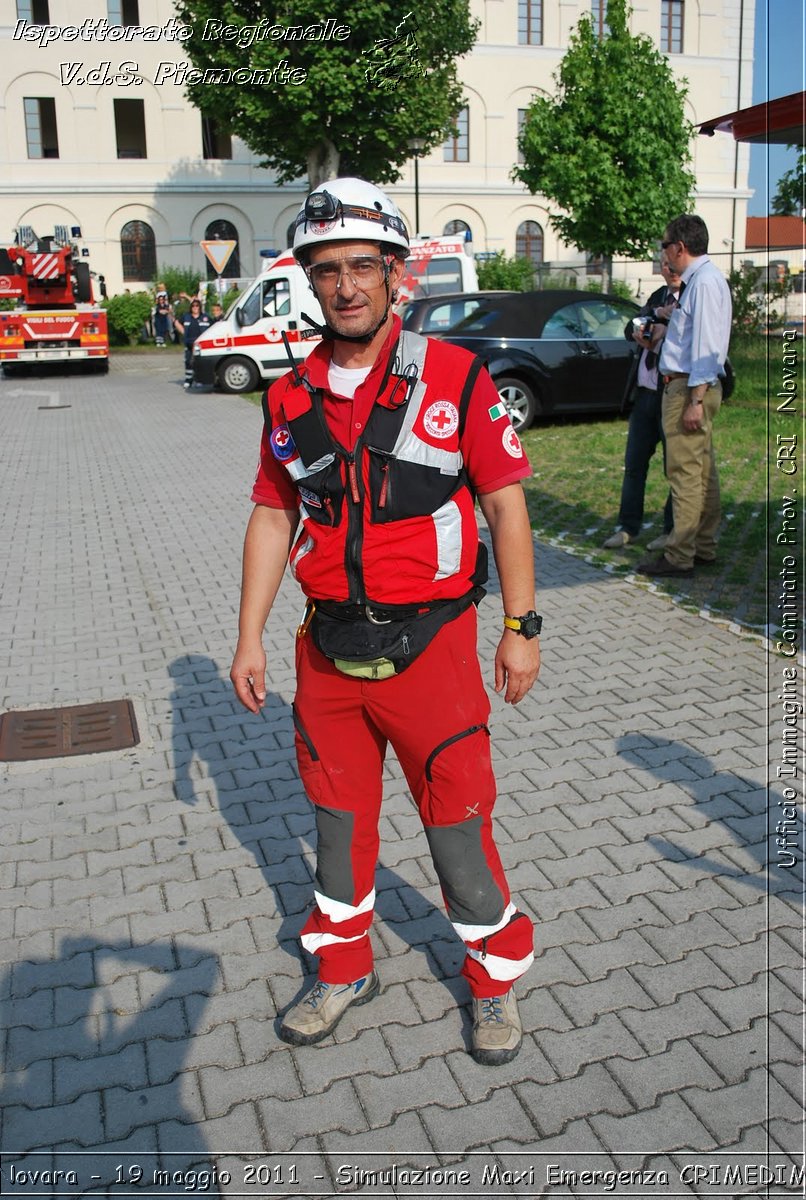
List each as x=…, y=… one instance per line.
x=151, y=897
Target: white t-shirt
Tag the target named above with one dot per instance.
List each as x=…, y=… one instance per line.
x=345, y=381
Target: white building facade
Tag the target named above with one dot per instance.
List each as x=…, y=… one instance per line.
x=97, y=133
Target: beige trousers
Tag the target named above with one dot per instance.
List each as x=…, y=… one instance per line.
x=693, y=479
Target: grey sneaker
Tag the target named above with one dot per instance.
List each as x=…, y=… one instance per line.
x=618, y=540
x=319, y=1011
x=658, y=543
x=497, y=1034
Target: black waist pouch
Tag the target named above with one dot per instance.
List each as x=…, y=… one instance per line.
x=366, y=650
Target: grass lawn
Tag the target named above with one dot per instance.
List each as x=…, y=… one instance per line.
x=573, y=496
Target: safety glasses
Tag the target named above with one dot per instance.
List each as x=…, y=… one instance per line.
x=366, y=271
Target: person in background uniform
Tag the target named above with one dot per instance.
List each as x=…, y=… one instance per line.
x=162, y=315
x=692, y=360
x=370, y=463
x=645, y=428
x=192, y=324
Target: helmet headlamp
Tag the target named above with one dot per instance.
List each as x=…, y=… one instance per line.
x=321, y=206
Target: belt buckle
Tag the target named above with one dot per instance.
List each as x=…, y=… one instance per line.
x=374, y=620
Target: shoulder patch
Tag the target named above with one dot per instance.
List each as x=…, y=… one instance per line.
x=512, y=443
x=282, y=443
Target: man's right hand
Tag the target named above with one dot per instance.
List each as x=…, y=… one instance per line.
x=248, y=675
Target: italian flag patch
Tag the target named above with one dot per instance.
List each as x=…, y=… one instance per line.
x=497, y=410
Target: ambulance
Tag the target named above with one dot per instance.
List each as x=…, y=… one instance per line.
x=245, y=348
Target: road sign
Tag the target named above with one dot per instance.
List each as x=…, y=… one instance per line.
x=218, y=252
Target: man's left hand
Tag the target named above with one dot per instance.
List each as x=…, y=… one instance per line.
x=693, y=416
x=517, y=663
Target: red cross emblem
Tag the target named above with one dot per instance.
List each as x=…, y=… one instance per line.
x=441, y=419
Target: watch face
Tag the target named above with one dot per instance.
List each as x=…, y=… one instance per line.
x=531, y=626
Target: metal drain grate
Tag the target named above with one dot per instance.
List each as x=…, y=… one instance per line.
x=56, y=732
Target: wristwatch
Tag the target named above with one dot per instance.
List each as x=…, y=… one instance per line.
x=528, y=626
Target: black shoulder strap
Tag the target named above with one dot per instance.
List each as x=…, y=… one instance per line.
x=467, y=391
x=309, y=430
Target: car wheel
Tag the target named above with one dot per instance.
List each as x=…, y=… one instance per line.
x=519, y=400
x=238, y=375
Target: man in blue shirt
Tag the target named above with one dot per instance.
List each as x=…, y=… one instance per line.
x=691, y=361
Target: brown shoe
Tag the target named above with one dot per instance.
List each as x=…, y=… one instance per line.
x=496, y=1037
x=699, y=561
x=662, y=568
x=319, y=1011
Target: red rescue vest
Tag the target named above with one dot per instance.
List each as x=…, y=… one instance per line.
x=391, y=521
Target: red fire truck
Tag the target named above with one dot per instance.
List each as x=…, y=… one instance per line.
x=55, y=317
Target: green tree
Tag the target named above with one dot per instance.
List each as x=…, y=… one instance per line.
x=127, y=316
x=748, y=304
x=345, y=103
x=500, y=273
x=612, y=149
x=790, y=197
x=178, y=280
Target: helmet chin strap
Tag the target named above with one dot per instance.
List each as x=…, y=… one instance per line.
x=330, y=334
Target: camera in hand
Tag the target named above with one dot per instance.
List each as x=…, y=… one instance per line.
x=643, y=325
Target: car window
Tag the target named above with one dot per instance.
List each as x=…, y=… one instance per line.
x=599, y=318
x=441, y=275
x=276, y=298
x=445, y=316
x=564, y=323
x=250, y=308
x=480, y=318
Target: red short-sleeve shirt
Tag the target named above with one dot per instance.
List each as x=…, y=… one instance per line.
x=492, y=452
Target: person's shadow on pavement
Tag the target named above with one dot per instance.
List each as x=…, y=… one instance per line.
x=745, y=809
x=96, y=1046
x=250, y=761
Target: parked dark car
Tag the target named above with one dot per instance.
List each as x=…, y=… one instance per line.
x=548, y=352
x=438, y=314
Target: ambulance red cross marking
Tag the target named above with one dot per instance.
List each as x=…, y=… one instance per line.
x=442, y=418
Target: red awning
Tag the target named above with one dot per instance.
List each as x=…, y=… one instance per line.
x=780, y=121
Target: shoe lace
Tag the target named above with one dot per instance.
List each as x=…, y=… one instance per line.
x=492, y=1009
x=317, y=993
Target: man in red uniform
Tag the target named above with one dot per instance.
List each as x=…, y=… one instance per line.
x=379, y=449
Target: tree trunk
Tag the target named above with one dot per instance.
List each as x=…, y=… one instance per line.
x=323, y=163
x=607, y=272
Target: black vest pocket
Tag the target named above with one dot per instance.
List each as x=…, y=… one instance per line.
x=322, y=493
x=400, y=490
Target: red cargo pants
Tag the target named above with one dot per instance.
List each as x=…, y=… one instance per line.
x=435, y=717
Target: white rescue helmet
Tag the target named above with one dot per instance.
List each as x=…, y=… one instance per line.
x=349, y=209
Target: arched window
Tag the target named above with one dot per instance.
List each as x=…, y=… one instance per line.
x=529, y=241
x=139, y=252
x=226, y=232
x=454, y=227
